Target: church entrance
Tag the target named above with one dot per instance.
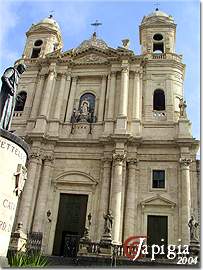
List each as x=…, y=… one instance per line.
x=157, y=232
x=70, y=224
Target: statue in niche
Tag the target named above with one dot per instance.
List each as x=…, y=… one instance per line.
x=193, y=224
x=84, y=111
x=10, y=81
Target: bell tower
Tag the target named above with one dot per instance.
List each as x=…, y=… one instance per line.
x=157, y=33
x=43, y=38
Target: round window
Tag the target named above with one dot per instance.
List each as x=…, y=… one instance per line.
x=38, y=42
x=157, y=37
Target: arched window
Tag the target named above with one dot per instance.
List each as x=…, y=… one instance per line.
x=159, y=100
x=37, y=48
x=20, y=101
x=86, y=108
x=158, y=45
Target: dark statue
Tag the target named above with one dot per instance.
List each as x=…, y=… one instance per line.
x=193, y=224
x=10, y=81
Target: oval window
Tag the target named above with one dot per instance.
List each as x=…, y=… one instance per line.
x=157, y=37
x=38, y=42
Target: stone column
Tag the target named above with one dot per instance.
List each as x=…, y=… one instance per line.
x=121, y=123
x=41, y=205
x=104, y=197
x=46, y=98
x=131, y=200
x=123, y=104
x=107, y=95
x=185, y=199
x=116, y=196
x=136, y=97
x=71, y=99
x=102, y=99
x=27, y=195
x=59, y=100
x=38, y=96
x=110, y=113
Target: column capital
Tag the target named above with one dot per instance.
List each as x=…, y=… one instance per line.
x=185, y=162
x=107, y=161
x=113, y=73
x=104, y=76
x=48, y=157
x=41, y=75
x=118, y=157
x=125, y=69
x=75, y=78
x=68, y=75
x=62, y=74
x=52, y=68
x=35, y=156
x=132, y=162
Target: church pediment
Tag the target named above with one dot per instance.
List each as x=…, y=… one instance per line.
x=75, y=177
x=91, y=58
x=158, y=201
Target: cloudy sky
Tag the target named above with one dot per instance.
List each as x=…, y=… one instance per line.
x=120, y=19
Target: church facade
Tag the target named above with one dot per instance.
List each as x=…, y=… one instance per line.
x=108, y=130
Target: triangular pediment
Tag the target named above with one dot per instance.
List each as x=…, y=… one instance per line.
x=90, y=55
x=91, y=58
x=158, y=200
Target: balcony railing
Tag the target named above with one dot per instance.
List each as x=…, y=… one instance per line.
x=160, y=115
x=164, y=56
x=17, y=114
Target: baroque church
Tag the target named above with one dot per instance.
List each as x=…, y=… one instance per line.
x=108, y=130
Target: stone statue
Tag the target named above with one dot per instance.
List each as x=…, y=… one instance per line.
x=84, y=107
x=182, y=107
x=10, y=80
x=193, y=224
x=108, y=223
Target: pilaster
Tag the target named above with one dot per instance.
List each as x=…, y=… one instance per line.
x=27, y=196
x=131, y=199
x=40, y=210
x=71, y=98
x=185, y=199
x=116, y=196
x=121, y=124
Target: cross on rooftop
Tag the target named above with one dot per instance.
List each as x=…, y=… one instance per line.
x=96, y=24
x=157, y=4
x=51, y=13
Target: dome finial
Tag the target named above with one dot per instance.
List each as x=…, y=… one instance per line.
x=51, y=14
x=157, y=4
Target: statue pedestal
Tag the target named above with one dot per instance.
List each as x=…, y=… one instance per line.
x=106, y=245
x=194, y=247
x=184, y=128
x=18, y=240
x=84, y=246
x=13, y=153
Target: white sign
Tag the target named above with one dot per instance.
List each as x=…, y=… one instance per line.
x=12, y=162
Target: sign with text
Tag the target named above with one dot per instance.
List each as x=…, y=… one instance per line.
x=12, y=158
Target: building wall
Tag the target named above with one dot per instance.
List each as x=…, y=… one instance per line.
x=113, y=164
